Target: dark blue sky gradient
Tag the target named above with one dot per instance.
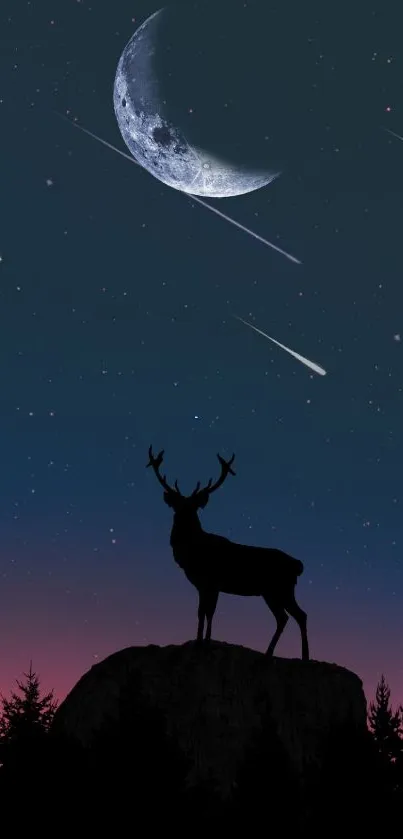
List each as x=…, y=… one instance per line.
x=116, y=330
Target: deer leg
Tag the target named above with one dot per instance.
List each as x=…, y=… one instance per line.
x=201, y=614
x=210, y=606
x=281, y=617
x=301, y=617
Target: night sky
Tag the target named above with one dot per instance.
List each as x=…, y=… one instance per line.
x=117, y=297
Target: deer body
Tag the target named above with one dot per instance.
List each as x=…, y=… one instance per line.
x=214, y=564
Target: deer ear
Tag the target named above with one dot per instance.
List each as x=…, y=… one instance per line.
x=202, y=498
x=168, y=498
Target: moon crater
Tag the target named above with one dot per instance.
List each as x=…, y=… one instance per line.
x=156, y=144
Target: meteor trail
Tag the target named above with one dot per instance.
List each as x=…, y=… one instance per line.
x=100, y=140
x=246, y=229
x=310, y=364
x=393, y=134
x=189, y=196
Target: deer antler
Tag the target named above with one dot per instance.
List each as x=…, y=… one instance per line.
x=225, y=470
x=155, y=462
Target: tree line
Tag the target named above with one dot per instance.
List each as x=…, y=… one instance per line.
x=360, y=783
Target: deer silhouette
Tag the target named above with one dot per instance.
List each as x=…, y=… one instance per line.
x=214, y=564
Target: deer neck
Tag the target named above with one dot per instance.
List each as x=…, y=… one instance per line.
x=186, y=528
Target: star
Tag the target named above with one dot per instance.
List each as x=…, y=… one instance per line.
x=397, y=337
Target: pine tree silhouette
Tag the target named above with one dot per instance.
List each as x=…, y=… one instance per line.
x=25, y=719
x=386, y=727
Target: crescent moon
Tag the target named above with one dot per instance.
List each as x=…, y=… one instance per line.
x=157, y=145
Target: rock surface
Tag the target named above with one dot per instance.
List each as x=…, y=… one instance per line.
x=215, y=700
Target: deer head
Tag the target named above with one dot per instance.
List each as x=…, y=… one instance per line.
x=200, y=495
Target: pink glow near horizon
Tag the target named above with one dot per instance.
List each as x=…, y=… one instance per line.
x=61, y=661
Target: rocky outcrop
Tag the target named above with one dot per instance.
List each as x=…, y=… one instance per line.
x=215, y=702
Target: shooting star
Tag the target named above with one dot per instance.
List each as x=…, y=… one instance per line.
x=393, y=133
x=190, y=197
x=311, y=364
x=246, y=230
